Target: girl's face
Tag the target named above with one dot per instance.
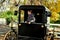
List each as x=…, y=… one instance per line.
x=29, y=12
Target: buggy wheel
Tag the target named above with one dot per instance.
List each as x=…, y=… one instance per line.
x=10, y=36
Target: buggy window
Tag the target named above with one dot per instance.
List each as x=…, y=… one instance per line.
x=37, y=14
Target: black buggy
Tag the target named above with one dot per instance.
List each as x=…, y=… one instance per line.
x=32, y=31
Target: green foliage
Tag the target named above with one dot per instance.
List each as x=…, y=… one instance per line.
x=8, y=15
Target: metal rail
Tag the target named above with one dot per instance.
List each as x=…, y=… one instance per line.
x=55, y=24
